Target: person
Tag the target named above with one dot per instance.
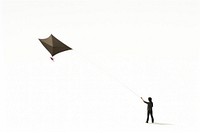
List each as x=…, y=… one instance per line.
x=149, y=109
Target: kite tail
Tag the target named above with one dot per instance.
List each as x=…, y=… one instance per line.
x=52, y=58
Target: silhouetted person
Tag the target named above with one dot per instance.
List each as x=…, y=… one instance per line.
x=149, y=109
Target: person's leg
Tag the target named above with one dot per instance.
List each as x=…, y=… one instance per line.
x=147, y=117
x=152, y=119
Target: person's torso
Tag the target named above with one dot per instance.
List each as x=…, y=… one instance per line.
x=150, y=106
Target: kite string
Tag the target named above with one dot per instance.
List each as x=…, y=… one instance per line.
x=109, y=75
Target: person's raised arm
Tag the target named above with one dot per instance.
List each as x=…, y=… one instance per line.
x=143, y=100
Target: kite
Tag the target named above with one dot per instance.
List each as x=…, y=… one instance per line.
x=53, y=45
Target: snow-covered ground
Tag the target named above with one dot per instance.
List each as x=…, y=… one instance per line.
x=150, y=47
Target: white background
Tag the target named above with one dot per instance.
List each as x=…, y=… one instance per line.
x=150, y=46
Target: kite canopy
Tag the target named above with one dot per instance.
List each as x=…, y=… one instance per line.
x=53, y=45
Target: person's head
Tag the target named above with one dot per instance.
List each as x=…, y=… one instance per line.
x=150, y=99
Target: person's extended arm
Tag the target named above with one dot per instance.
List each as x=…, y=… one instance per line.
x=143, y=100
